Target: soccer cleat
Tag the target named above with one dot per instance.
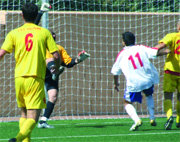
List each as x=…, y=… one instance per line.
x=135, y=126
x=153, y=123
x=12, y=140
x=45, y=125
x=178, y=125
x=169, y=123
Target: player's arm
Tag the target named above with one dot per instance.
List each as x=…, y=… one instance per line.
x=51, y=64
x=161, y=49
x=161, y=45
x=116, y=83
x=57, y=58
x=44, y=8
x=116, y=71
x=83, y=55
x=68, y=62
x=2, y=53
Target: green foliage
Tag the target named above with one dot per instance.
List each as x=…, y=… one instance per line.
x=101, y=5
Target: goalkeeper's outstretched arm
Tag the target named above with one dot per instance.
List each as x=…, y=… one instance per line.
x=38, y=18
x=44, y=8
x=83, y=55
x=80, y=58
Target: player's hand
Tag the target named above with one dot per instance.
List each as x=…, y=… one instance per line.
x=55, y=75
x=116, y=87
x=167, y=51
x=45, y=7
x=83, y=55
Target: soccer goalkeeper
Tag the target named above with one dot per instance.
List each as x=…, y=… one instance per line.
x=51, y=79
x=51, y=83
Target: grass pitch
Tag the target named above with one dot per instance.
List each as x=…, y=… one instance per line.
x=96, y=130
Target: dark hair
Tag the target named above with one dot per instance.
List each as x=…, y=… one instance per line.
x=30, y=12
x=53, y=35
x=128, y=38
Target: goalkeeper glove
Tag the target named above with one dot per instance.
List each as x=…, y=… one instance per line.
x=55, y=76
x=45, y=7
x=82, y=56
x=54, y=71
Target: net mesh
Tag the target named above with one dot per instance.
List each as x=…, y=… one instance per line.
x=86, y=90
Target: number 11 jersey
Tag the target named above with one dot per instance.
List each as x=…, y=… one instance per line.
x=133, y=61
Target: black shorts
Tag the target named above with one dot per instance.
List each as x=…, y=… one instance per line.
x=49, y=82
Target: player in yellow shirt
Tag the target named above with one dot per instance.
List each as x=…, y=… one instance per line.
x=29, y=43
x=171, y=76
x=52, y=85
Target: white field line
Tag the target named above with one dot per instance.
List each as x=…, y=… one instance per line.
x=90, y=136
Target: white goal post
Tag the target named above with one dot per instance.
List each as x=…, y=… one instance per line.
x=86, y=90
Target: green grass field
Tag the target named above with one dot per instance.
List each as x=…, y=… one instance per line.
x=96, y=130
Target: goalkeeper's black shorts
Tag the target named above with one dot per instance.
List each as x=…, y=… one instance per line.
x=49, y=82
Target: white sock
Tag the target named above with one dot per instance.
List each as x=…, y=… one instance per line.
x=150, y=106
x=132, y=112
x=43, y=118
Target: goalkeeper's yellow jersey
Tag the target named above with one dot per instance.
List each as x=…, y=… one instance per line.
x=65, y=58
x=29, y=43
x=172, y=63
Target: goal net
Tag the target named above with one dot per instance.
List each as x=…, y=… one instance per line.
x=86, y=90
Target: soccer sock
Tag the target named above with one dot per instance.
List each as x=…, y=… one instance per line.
x=168, y=108
x=178, y=111
x=49, y=109
x=132, y=112
x=26, y=129
x=150, y=105
x=21, y=122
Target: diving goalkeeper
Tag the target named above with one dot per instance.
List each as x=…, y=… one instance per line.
x=52, y=80
x=51, y=84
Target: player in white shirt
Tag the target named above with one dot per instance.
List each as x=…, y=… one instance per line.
x=133, y=61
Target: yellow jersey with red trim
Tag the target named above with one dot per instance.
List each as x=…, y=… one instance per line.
x=29, y=43
x=172, y=40
x=65, y=58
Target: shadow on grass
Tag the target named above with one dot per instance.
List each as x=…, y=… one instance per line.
x=98, y=125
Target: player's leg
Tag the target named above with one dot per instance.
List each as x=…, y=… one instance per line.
x=34, y=100
x=52, y=89
x=169, y=87
x=150, y=104
x=178, y=109
x=168, y=109
x=21, y=103
x=28, y=125
x=21, y=122
x=130, y=97
x=52, y=94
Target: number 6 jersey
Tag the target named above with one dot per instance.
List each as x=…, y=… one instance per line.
x=134, y=62
x=29, y=43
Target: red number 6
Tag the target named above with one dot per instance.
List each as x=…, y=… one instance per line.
x=29, y=41
x=177, y=50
